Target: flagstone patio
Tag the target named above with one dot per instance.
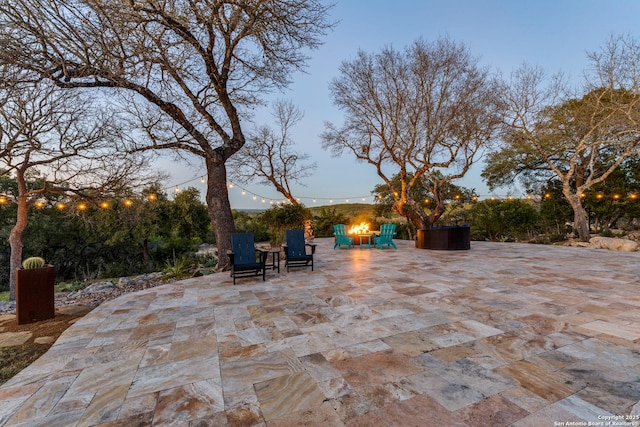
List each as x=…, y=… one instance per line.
x=502, y=334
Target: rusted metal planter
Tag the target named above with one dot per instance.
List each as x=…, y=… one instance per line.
x=35, y=294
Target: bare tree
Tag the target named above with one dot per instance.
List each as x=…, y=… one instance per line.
x=579, y=140
x=427, y=111
x=190, y=68
x=57, y=135
x=269, y=156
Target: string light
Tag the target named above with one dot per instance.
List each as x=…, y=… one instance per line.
x=256, y=196
x=633, y=196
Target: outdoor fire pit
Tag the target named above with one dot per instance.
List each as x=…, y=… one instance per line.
x=361, y=234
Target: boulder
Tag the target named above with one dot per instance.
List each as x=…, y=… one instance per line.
x=99, y=287
x=125, y=282
x=613, y=243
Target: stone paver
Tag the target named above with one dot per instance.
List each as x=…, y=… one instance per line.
x=503, y=334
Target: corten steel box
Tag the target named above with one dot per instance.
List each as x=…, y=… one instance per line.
x=35, y=294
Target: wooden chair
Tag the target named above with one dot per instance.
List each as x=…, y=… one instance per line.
x=387, y=231
x=342, y=238
x=242, y=256
x=295, y=250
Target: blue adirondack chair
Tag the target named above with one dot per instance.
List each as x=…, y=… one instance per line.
x=295, y=250
x=342, y=238
x=242, y=256
x=387, y=231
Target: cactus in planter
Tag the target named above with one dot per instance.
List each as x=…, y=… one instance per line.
x=35, y=292
x=33, y=262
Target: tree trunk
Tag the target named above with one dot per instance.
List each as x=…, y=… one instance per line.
x=15, y=241
x=439, y=209
x=580, y=223
x=436, y=213
x=219, y=209
x=418, y=221
x=146, y=257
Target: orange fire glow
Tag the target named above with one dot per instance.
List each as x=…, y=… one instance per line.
x=362, y=228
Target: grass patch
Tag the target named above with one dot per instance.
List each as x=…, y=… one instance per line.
x=4, y=296
x=16, y=358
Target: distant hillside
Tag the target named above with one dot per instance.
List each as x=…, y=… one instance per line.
x=351, y=210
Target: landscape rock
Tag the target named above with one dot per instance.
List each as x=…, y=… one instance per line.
x=10, y=339
x=99, y=287
x=613, y=243
x=125, y=282
x=44, y=340
x=577, y=243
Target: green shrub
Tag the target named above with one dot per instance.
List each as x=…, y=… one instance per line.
x=404, y=230
x=180, y=266
x=114, y=269
x=502, y=220
x=281, y=218
x=324, y=221
x=250, y=223
x=206, y=260
x=606, y=232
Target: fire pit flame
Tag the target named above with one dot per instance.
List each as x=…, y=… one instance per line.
x=362, y=228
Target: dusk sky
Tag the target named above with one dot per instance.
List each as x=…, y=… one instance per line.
x=504, y=34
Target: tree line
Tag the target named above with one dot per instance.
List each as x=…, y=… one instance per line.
x=116, y=237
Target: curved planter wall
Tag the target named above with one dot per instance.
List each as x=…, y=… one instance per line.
x=444, y=238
